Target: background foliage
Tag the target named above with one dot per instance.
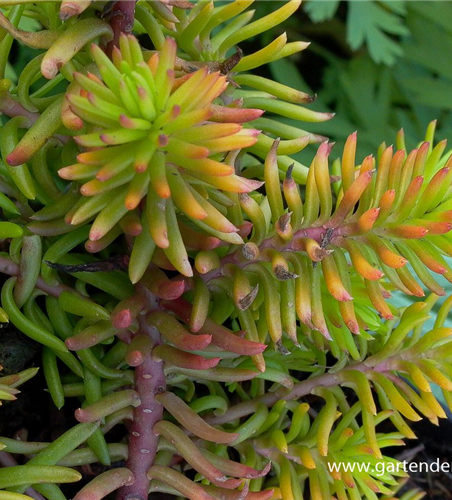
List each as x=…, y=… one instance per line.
x=380, y=65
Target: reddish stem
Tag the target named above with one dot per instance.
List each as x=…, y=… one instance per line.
x=315, y=233
x=299, y=390
x=10, y=107
x=7, y=266
x=149, y=381
x=121, y=20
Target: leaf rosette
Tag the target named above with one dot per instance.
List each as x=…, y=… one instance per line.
x=154, y=147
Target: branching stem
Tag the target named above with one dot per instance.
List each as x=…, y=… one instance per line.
x=315, y=233
x=7, y=266
x=149, y=381
x=10, y=107
x=299, y=390
x=122, y=18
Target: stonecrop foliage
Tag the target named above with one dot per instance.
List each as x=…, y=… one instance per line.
x=217, y=310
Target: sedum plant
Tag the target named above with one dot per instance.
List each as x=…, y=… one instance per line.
x=216, y=311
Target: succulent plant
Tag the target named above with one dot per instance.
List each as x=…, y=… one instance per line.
x=177, y=135
x=228, y=300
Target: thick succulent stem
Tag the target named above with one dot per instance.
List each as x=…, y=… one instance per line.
x=299, y=390
x=321, y=234
x=10, y=107
x=149, y=381
x=9, y=267
x=121, y=20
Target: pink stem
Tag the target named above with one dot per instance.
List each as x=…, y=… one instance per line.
x=6, y=459
x=149, y=381
x=121, y=20
x=299, y=390
x=10, y=107
x=315, y=233
x=9, y=267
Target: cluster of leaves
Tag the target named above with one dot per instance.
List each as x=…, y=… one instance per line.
x=202, y=288
x=371, y=23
